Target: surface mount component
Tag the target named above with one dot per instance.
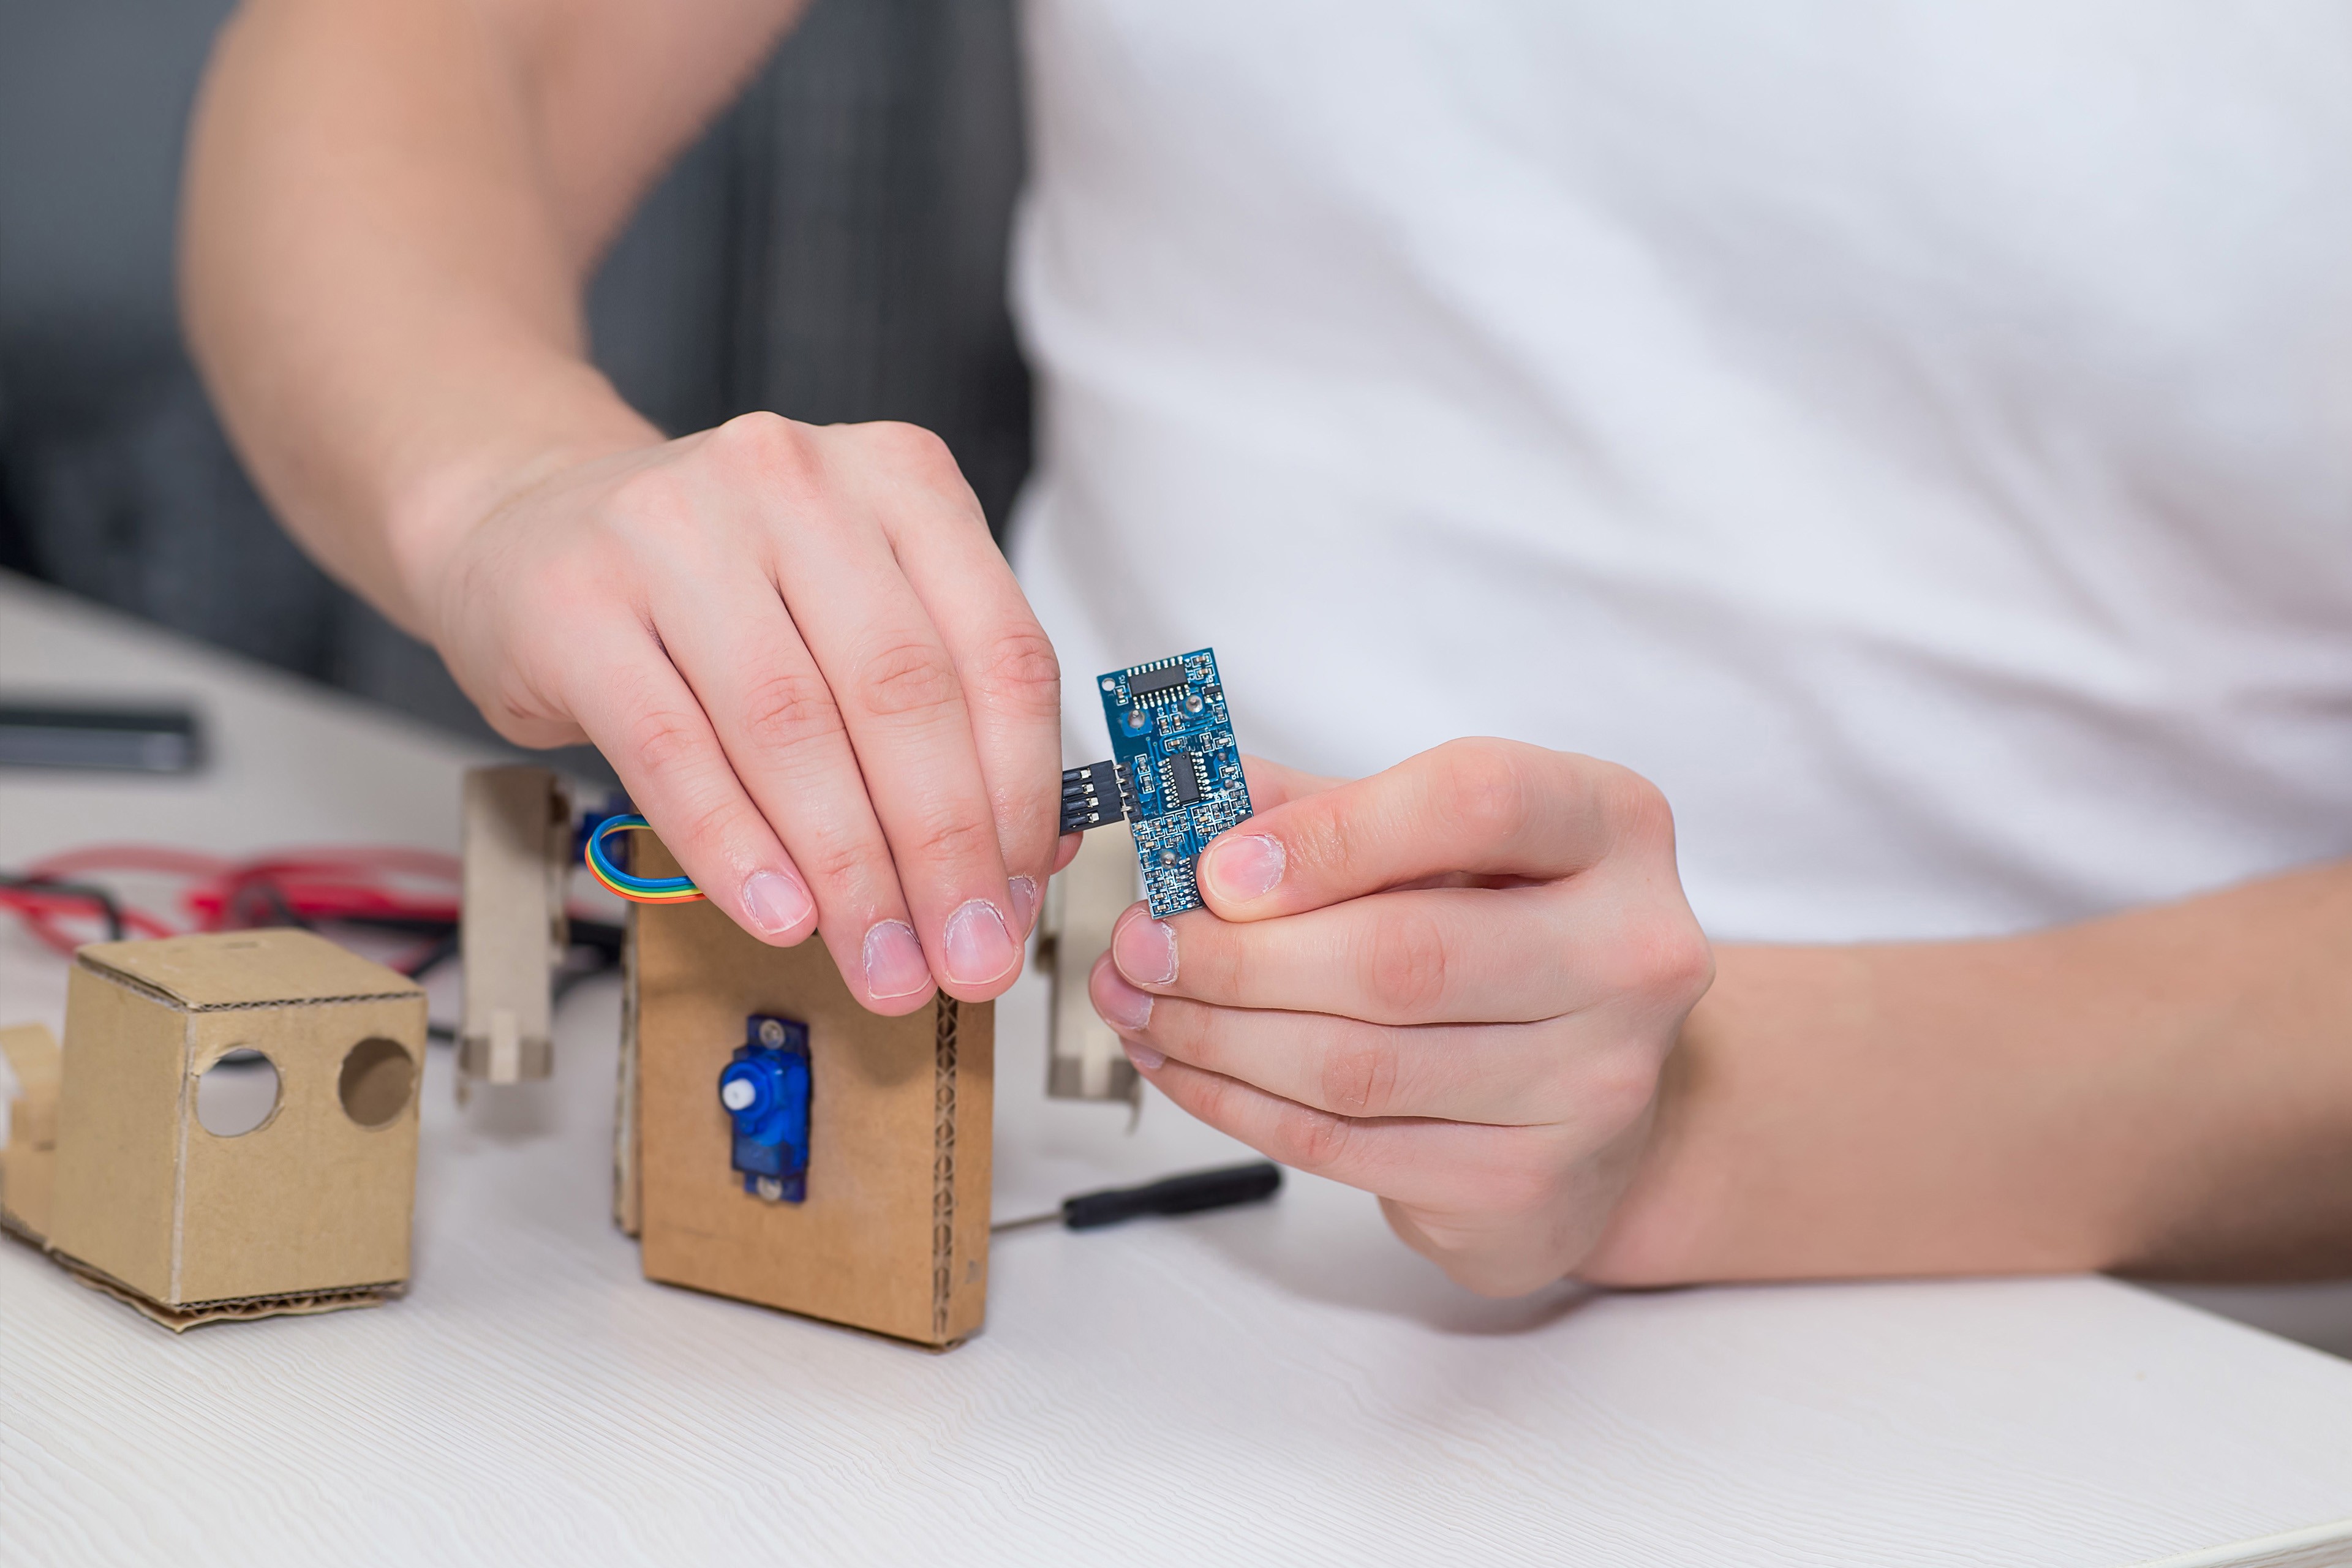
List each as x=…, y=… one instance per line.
x=765, y=1088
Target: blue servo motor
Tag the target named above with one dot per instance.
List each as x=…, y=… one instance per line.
x=765, y=1091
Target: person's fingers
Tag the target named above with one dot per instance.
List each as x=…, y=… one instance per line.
x=1448, y=1165
x=900, y=699
x=639, y=712
x=1273, y=783
x=771, y=710
x=1561, y=1071
x=1486, y=808
x=1012, y=682
x=1440, y=955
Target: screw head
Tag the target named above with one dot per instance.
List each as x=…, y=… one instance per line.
x=772, y=1032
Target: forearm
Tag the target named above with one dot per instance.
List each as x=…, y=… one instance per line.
x=390, y=209
x=2168, y=1090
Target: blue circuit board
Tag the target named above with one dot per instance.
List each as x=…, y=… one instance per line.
x=1178, y=771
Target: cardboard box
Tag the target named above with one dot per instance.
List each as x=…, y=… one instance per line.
x=892, y=1235
x=307, y=1212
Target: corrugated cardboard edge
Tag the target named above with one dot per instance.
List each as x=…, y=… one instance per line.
x=180, y=1319
x=628, y=1189
x=135, y=961
x=944, y=1172
x=157, y=993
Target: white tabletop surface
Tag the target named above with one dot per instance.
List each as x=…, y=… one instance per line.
x=1283, y=1384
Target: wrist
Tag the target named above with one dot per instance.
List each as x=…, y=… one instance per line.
x=1680, y=1219
x=445, y=495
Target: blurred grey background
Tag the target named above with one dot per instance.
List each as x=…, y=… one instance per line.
x=832, y=250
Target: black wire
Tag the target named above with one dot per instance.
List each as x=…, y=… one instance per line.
x=444, y=949
x=605, y=936
x=274, y=896
x=405, y=925
x=106, y=908
x=588, y=936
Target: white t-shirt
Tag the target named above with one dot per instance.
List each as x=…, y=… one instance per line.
x=1919, y=438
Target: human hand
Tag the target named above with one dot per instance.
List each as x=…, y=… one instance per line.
x=813, y=671
x=1452, y=984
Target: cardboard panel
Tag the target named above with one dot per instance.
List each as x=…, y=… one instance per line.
x=1084, y=1059
x=119, y=1111
x=311, y=1200
x=961, y=1279
x=518, y=842
x=894, y=1233
x=179, y=1320
x=247, y=968
x=35, y=1063
x=28, y=1166
x=628, y=1192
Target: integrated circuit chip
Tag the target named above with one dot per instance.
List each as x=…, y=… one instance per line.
x=1182, y=776
x=1147, y=681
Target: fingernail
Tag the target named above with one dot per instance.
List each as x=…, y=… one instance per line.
x=1145, y=952
x=1025, y=902
x=894, y=961
x=1245, y=867
x=1121, y=1004
x=1145, y=1059
x=979, y=948
x=775, y=902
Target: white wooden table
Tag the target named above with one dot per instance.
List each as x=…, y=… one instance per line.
x=1284, y=1384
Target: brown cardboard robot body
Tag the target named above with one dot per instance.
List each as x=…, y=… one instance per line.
x=892, y=1235
x=309, y=1209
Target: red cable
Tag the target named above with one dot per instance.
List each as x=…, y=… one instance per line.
x=316, y=885
x=321, y=885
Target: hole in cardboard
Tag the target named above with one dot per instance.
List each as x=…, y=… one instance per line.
x=236, y=1094
x=376, y=1080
